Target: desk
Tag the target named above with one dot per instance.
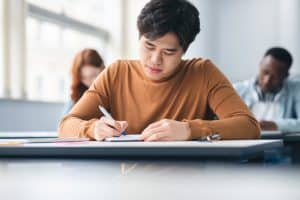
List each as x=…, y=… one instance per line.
x=271, y=135
x=94, y=179
x=293, y=141
x=227, y=149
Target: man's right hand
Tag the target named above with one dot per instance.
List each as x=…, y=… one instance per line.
x=105, y=128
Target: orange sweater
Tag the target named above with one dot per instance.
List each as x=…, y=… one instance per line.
x=195, y=91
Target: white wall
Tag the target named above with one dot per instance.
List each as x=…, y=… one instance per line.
x=235, y=34
x=290, y=26
x=203, y=46
x=134, y=8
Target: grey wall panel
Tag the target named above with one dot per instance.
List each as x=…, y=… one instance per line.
x=20, y=115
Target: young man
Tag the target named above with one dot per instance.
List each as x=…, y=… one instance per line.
x=272, y=97
x=161, y=96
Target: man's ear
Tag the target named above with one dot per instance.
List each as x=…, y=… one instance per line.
x=287, y=74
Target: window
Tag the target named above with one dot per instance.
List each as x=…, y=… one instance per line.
x=54, y=36
x=39, y=39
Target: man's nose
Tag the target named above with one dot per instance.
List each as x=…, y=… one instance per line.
x=156, y=58
x=267, y=79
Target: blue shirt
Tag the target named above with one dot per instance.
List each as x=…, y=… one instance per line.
x=288, y=99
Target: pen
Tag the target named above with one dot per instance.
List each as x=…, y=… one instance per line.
x=108, y=115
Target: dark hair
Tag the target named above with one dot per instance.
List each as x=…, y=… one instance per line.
x=281, y=55
x=159, y=17
x=84, y=57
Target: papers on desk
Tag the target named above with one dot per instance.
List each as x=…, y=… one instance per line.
x=125, y=138
x=122, y=138
x=55, y=140
x=12, y=142
x=29, y=134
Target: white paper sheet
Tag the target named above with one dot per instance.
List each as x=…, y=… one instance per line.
x=125, y=138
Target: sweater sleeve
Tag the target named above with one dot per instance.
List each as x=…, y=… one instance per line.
x=292, y=124
x=235, y=121
x=81, y=119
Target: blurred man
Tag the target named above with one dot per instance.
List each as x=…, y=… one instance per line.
x=273, y=98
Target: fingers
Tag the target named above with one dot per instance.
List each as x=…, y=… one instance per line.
x=114, y=124
x=149, y=132
x=268, y=125
x=110, y=131
x=123, y=125
x=105, y=128
x=102, y=131
x=167, y=130
x=156, y=131
x=264, y=123
x=154, y=125
x=160, y=136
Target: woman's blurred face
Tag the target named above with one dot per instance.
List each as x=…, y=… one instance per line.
x=89, y=73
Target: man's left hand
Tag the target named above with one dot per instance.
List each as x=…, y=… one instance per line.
x=167, y=130
x=268, y=125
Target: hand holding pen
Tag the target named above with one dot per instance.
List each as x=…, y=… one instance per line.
x=108, y=127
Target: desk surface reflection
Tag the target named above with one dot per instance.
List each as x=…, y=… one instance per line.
x=145, y=179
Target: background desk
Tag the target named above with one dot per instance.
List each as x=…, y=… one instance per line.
x=292, y=140
x=271, y=135
x=291, y=143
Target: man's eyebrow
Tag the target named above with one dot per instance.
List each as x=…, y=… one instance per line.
x=168, y=49
x=171, y=49
x=149, y=43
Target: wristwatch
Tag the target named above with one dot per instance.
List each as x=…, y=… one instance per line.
x=213, y=137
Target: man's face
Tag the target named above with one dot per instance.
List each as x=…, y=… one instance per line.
x=160, y=57
x=271, y=74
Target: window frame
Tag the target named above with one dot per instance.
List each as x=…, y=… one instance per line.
x=13, y=42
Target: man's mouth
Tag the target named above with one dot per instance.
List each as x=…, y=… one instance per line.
x=154, y=70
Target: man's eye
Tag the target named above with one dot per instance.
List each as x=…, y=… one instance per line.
x=149, y=47
x=169, y=53
x=265, y=72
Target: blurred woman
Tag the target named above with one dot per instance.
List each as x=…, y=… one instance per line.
x=87, y=65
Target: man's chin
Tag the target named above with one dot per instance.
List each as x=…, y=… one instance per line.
x=153, y=78
x=268, y=90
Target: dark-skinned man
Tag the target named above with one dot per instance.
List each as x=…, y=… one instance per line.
x=272, y=97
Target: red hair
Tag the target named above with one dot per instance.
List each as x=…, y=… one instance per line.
x=85, y=57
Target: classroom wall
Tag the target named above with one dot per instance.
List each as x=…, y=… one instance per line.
x=235, y=34
x=21, y=115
